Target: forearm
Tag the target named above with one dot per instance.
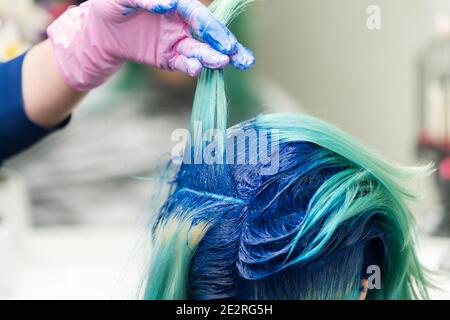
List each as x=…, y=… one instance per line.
x=17, y=131
x=48, y=100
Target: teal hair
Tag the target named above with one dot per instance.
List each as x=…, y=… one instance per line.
x=210, y=102
x=380, y=180
x=332, y=209
x=309, y=230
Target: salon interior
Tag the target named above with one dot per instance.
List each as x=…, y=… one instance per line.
x=74, y=208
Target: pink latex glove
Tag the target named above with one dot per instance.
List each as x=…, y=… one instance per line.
x=93, y=40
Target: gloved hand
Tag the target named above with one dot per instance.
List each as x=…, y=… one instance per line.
x=93, y=40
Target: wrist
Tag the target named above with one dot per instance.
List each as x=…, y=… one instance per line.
x=48, y=100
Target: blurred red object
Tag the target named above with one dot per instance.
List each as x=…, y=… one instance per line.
x=444, y=169
x=58, y=9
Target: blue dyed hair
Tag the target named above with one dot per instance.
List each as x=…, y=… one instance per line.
x=307, y=230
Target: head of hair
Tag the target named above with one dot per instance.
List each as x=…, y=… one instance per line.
x=307, y=231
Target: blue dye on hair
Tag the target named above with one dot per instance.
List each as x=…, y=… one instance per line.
x=307, y=231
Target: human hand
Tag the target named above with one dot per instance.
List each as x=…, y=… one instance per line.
x=93, y=40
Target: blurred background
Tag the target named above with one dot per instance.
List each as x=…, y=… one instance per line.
x=73, y=209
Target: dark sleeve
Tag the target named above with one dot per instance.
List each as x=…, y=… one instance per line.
x=17, y=132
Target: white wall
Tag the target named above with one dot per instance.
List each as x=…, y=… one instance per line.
x=364, y=81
